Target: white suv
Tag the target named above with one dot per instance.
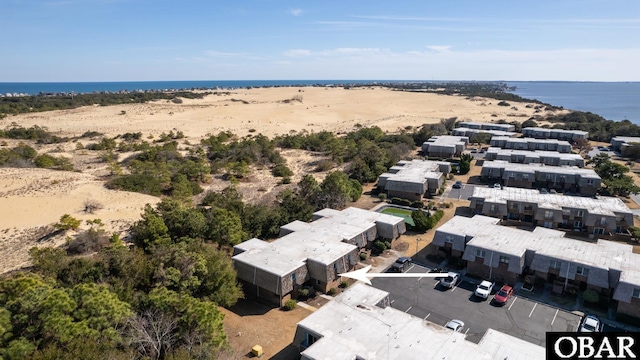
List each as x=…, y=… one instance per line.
x=484, y=289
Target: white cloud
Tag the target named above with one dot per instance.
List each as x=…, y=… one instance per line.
x=439, y=48
x=296, y=12
x=297, y=53
x=444, y=63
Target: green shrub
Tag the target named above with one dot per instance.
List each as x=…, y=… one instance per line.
x=343, y=285
x=382, y=197
x=591, y=296
x=281, y=170
x=304, y=292
x=289, y=305
x=379, y=247
x=332, y=291
x=399, y=201
x=417, y=204
x=363, y=256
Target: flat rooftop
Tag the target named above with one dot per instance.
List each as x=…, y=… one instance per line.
x=558, y=131
x=415, y=171
x=486, y=131
x=531, y=140
x=599, y=205
x=351, y=330
x=447, y=140
x=626, y=139
x=552, y=243
x=320, y=240
x=533, y=167
x=481, y=124
x=534, y=153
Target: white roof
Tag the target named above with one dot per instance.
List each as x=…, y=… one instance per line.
x=535, y=153
x=552, y=243
x=349, y=329
x=320, y=240
x=562, y=170
x=558, y=131
x=603, y=205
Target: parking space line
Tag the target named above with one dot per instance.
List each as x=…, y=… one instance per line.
x=466, y=331
x=408, y=309
x=534, y=307
x=436, y=284
x=456, y=286
x=392, y=301
x=409, y=269
x=554, y=317
x=513, y=302
x=425, y=318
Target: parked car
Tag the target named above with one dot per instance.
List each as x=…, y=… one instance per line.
x=553, y=191
x=503, y=295
x=543, y=191
x=450, y=281
x=401, y=265
x=455, y=325
x=484, y=289
x=473, y=151
x=497, y=186
x=457, y=185
x=590, y=323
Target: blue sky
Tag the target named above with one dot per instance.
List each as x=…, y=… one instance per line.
x=129, y=40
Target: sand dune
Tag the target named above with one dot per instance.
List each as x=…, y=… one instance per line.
x=33, y=199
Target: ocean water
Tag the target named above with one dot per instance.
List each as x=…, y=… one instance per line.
x=611, y=100
x=34, y=88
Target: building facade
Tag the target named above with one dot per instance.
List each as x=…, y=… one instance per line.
x=414, y=179
x=445, y=146
x=531, y=144
x=502, y=253
x=550, y=158
x=566, y=179
x=601, y=216
x=310, y=254
x=560, y=134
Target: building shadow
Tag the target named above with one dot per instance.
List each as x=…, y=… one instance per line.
x=250, y=306
x=288, y=353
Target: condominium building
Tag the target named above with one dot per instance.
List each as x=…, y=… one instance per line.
x=463, y=131
x=530, y=144
x=561, y=178
x=599, y=216
x=445, y=146
x=414, y=179
x=560, y=134
x=486, y=126
x=552, y=158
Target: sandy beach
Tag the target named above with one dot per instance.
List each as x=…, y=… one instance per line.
x=31, y=200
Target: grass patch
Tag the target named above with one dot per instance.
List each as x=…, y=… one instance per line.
x=405, y=214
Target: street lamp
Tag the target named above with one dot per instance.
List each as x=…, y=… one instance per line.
x=418, y=239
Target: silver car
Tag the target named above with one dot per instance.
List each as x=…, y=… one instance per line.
x=450, y=281
x=455, y=325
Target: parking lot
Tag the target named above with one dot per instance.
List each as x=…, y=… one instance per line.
x=520, y=317
x=461, y=194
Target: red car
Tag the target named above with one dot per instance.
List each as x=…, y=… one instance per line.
x=502, y=296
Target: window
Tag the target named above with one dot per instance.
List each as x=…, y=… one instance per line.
x=548, y=214
x=512, y=176
x=577, y=224
x=525, y=176
x=548, y=224
x=636, y=293
x=589, y=181
x=293, y=277
x=566, y=212
x=504, y=259
x=448, y=239
x=603, y=221
x=598, y=231
x=555, y=264
x=335, y=267
x=481, y=253
x=579, y=213
x=549, y=176
x=492, y=208
x=582, y=271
